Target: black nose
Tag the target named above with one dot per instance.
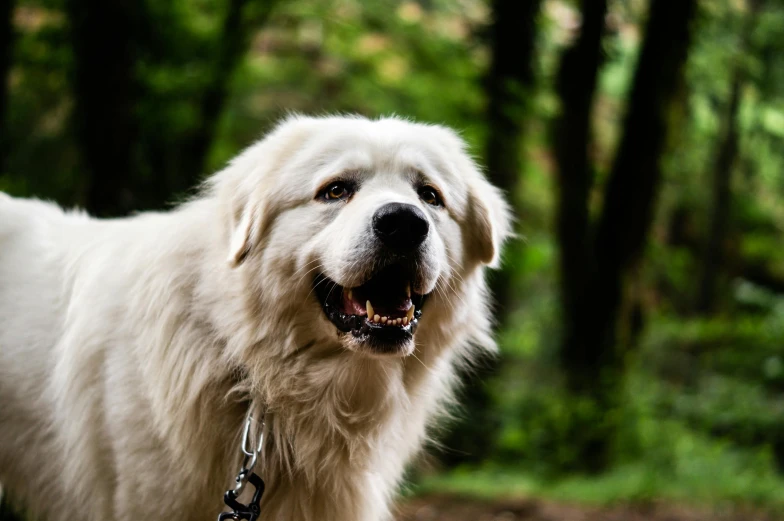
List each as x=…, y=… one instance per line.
x=401, y=227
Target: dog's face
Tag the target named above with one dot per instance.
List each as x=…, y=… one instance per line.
x=373, y=218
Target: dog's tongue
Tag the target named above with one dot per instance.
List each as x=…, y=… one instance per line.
x=352, y=306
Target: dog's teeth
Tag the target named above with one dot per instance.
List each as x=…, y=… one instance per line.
x=410, y=312
x=350, y=294
x=408, y=289
x=384, y=320
x=369, y=309
x=376, y=319
x=405, y=321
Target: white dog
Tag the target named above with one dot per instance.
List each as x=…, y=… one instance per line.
x=332, y=276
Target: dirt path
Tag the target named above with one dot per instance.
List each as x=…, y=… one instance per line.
x=444, y=508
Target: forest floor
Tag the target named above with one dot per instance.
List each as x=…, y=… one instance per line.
x=452, y=508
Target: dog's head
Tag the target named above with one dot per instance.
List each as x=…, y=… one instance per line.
x=364, y=223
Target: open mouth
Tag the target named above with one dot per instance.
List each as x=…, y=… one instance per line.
x=384, y=311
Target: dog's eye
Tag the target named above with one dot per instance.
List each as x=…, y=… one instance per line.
x=430, y=195
x=337, y=191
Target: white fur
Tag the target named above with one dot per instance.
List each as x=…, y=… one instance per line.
x=131, y=349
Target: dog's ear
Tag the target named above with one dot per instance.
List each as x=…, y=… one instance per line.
x=241, y=240
x=489, y=222
x=245, y=230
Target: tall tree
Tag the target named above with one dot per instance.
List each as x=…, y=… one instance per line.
x=128, y=166
x=105, y=93
x=242, y=17
x=713, y=255
x=6, y=51
x=510, y=83
x=593, y=354
x=726, y=155
x=576, y=84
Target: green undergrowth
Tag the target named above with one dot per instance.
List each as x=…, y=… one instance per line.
x=632, y=483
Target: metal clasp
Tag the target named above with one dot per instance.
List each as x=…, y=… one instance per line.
x=249, y=512
x=250, y=455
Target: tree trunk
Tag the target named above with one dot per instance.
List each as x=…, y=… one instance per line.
x=6, y=56
x=713, y=255
x=105, y=92
x=571, y=136
x=575, y=86
x=230, y=48
x=593, y=355
x=509, y=83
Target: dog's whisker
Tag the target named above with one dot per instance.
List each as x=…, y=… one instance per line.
x=319, y=266
x=421, y=362
x=305, y=274
x=314, y=287
x=303, y=267
x=454, y=263
x=457, y=274
x=441, y=291
x=334, y=285
x=444, y=295
x=455, y=292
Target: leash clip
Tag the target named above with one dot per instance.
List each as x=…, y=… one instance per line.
x=250, y=454
x=251, y=511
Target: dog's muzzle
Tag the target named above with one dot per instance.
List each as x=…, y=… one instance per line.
x=383, y=312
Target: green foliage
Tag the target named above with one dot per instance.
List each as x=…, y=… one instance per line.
x=372, y=58
x=701, y=410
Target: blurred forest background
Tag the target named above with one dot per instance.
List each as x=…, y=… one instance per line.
x=641, y=311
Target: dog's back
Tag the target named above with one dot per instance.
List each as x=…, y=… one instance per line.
x=31, y=309
x=74, y=296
